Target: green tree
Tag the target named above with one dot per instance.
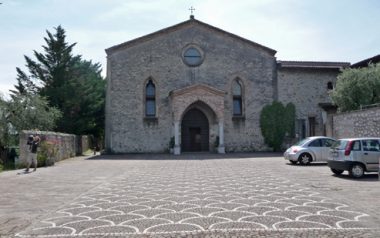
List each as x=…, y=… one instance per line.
x=275, y=121
x=51, y=69
x=72, y=85
x=23, y=112
x=356, y=87
x=24, y=84
x=4, y=126
x=85, y=99
x=28, y=111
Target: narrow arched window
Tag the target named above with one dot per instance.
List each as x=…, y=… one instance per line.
x=150, y=99
x=237, y=98
x=330, y=86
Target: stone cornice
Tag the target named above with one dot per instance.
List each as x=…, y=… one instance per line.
x=197, y=87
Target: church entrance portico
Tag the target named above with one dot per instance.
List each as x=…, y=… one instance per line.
x=198, y=116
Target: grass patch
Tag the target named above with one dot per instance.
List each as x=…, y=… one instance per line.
x=88, y=152
x=7, y=166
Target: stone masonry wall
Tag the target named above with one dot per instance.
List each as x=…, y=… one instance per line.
x=159, y=59
x=66, y=144
x=85, y=144
x=363, y=123
x=306, y=88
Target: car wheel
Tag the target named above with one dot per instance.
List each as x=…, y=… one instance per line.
x=305, y=159
x=293, y=162
x=357, y=171
x=337, y=171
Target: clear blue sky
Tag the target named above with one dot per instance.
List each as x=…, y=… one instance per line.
x=315, y=30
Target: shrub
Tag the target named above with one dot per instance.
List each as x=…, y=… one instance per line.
x=171, y=143
x=275, y=121
x=289, y=119
x=41, y=160
x=216, y=143
x=8, y=161
x=7, y=166
x=47, y=154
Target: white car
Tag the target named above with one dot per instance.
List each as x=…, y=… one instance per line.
x=310, y=149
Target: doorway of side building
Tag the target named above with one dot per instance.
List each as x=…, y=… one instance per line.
x=194, y=131
x=312, y=123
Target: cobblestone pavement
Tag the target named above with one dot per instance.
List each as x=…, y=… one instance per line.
x=191, y=197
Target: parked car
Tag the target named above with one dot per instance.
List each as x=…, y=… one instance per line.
x=310, y=149
x=355, y=155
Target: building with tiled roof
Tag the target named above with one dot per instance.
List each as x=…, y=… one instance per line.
x=364, y=63
x=195, y=87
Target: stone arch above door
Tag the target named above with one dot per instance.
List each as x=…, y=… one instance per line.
x=204, y=108
x=182, y=99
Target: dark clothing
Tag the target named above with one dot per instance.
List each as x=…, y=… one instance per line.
x=33, y=147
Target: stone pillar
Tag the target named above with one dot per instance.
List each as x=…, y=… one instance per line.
x=221, y=149
x=177, y=147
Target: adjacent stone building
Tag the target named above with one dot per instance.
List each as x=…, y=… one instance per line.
x=200, y=88
x=307, y=85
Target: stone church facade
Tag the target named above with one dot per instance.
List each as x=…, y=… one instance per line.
x=202, y=89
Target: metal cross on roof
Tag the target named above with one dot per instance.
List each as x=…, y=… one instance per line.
x=191, y=9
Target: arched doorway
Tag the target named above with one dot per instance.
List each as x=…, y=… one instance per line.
x=194, y=131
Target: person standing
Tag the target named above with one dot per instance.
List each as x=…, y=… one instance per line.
x=32, y=155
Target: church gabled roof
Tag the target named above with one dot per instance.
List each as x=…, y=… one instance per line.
x=189, y=22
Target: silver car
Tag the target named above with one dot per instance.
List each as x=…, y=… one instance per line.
x=310, y=149
x=355, y=155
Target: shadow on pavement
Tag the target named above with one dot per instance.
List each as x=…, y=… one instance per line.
x=371, y=177
x=309, y=165
x=185, y=156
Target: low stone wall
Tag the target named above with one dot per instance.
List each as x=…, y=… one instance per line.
x=363, y=123
x=85, y=143
x=67, y=145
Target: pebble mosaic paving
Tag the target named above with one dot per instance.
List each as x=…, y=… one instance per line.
x=168, y=197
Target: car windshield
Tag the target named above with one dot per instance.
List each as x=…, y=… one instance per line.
x=340, y=144
x=301, y=142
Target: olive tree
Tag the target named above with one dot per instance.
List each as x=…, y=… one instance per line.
x=31, y=111
x=357, y=87
x=24, y=111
